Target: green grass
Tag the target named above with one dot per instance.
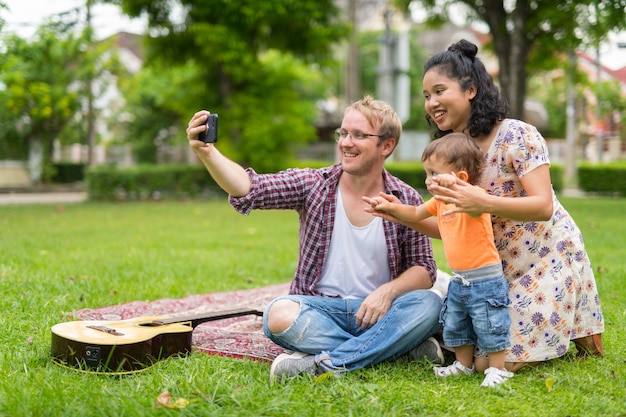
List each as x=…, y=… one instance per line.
x=57, y=259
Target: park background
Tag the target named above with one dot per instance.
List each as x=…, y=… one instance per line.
x=278, y=73
x=114, y=83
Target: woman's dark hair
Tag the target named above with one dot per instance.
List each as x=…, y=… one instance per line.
x=459, y=62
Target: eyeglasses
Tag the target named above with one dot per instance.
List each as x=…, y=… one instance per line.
x=355, y=134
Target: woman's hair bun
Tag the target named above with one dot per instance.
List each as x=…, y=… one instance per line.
x=464, y=47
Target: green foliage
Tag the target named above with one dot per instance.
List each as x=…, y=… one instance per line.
x=552, y=93
x=608, y=179
x=3, y=6
x=150, y=182
x=156, y=103
x=611, y=99
x=410, y=172
x=530, y=36
x=273, y=114
x=557, y=175
x=37, y=103
x=304, y=28
x=46, y=82
x=66, y=173
x=12, y=144
x=259, y=65
x=169, y=181
x=546, y=26
x=58, y=259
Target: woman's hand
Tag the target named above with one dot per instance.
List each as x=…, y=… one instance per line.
x=466, y=197
x=535, y=205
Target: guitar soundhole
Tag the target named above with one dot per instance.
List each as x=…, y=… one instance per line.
x=152, y=324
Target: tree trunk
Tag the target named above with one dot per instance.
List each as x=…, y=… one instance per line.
x=518, y=55
x=511, y=47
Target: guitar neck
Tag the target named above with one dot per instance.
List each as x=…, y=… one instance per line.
x=200, y=318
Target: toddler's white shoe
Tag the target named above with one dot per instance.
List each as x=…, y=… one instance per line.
x=495, y=376
x=457, y=368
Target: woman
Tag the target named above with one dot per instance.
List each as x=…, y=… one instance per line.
x=554, y=298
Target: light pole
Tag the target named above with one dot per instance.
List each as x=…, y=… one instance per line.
x=353, y=88
x=393, y=84
x=599, y=124
x=570, y=134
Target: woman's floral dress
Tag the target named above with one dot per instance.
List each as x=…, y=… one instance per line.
x=551, y=284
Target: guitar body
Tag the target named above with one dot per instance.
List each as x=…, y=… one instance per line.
x=134, y=345
x=126, y=346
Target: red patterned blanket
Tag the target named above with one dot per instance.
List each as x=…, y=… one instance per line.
x=238, y=337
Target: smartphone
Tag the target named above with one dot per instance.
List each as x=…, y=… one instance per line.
x=210, y=134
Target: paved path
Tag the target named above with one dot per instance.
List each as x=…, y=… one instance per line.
x=43, y=198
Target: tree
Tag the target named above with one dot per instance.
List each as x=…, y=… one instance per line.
x=154, y=102
x=2, y=21
x=612, y=103
x=38, y=101
x=528, y=35
x=42, y=96
x=251, y=61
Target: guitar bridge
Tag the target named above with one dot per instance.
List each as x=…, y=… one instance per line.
x=106, y=329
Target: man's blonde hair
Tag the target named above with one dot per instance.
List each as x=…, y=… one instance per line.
x=377, y=112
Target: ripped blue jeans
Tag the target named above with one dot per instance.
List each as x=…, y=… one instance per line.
x=326, y=327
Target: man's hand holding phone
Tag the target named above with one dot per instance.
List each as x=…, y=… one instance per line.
x=210, y=134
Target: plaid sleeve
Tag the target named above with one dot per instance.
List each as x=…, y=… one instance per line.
x=283, y=190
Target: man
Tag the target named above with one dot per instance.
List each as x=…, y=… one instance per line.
x=359, y=294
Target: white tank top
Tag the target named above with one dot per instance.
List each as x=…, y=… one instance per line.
x=357, y=261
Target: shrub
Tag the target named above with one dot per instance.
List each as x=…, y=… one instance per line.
x=606, y=179
x=155, y=182
x=66, y=173
x=150, y=182
x=410, y=172
x=557, y=175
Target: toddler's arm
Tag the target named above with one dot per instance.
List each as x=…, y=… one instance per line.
x=385, y=204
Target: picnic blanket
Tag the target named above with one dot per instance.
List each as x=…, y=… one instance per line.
x=237, y=337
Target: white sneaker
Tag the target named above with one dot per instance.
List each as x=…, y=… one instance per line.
x=457, y=368
x=430, y=350
x=288, y=365
x=495, y=376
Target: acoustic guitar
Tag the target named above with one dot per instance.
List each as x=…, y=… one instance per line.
x=131, y=345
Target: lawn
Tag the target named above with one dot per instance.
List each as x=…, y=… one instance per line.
x=57, y=259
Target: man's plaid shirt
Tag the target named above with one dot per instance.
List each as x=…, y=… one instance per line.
x=312, y=192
